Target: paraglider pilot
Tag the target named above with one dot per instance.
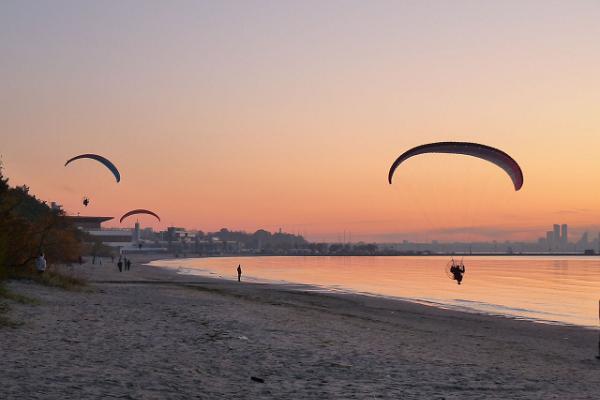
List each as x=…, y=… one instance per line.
x=457, y=270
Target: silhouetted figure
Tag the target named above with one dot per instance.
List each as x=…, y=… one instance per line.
x=457, y=271
x=127, y=264
x=239, y=271
x=86, y=201
x=120, y=265
x=40, y=263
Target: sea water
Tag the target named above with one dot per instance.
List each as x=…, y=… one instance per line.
x=563, y=290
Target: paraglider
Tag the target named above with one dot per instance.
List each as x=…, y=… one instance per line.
x=138, y=211
x=487, y=153
x=455, y=270
x=107, y=163
x=86, y=201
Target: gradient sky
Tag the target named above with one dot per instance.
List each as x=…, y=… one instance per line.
x=262, y=114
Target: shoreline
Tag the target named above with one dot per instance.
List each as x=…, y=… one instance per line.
x=151, y=333
x=207, y=273
x=427, y=254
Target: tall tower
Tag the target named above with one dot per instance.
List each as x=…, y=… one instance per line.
x=556, y=236
x=563, y=235
x=137, y=235
x=550, y=240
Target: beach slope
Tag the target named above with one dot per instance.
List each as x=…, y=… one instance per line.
x=152, y=334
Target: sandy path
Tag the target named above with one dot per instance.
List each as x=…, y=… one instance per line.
x=149, y=334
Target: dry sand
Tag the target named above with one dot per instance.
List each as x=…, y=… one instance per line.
x=151, y=334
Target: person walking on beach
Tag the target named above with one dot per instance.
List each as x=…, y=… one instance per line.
x=128, y=264
x=40, y=264
x=120, y=265
x=239, y=271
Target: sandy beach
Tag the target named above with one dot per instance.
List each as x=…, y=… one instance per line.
x=152, y=334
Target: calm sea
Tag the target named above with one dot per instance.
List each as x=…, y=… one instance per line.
x=544, y=289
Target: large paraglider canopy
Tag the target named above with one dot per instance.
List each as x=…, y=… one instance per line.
x=495, y=156
x=107, y=163
x=138, y=211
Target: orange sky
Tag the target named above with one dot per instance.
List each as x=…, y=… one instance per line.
x=254, y=115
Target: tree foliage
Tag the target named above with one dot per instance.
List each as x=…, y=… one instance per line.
x=28, y=227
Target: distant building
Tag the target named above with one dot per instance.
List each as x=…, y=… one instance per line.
x=110, y=237
x=583, y=243
x=88, y=223
x=556, y=236
x=148, y=234
x=113, y=237
x=564, y=235
x=550, y=239
x=137, y=235
x=542, y=244
x=171, y=234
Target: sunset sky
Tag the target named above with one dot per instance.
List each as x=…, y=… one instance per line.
x=257, y=114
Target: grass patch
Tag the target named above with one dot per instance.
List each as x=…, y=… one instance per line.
x=5, y=322
x=60, y=280
x=19, y=298
x=54, y=277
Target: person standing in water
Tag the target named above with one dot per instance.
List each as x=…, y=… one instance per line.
x=239, y=271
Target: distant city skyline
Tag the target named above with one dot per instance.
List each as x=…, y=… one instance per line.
x=577, y=236
x=257, y=115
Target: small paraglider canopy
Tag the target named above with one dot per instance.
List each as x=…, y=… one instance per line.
x=107, y=163
x=86, y=201
x=138, y=211
x=487, y=153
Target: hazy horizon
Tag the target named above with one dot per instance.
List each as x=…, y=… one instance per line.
x=252, y=115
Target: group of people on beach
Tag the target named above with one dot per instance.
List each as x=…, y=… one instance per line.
x=124, y=263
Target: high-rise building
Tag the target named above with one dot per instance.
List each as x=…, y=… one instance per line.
x=556, y=236
x=563, y=235
x=583, y=242
x=136, y=233
x=550, y=239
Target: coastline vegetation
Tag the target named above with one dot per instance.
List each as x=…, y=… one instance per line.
x=28, y=228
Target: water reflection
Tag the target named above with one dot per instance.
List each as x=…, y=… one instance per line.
x=562, y=290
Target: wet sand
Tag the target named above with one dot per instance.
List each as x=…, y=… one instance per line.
x=152, y=334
